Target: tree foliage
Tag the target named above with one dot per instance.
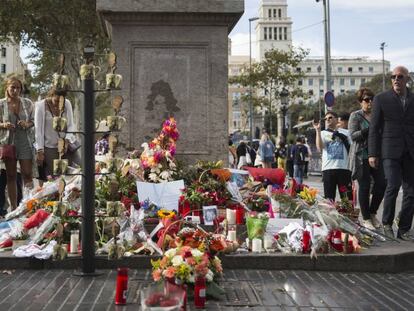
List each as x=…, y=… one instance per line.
x=52, y=27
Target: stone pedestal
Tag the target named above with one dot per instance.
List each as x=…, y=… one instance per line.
x=173, y=57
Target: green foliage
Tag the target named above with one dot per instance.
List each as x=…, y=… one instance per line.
x=52, y=27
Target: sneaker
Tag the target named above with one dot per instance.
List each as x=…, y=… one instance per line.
x=388, y=231
x=397, y=221
x=375, y=222
x=405, y=236
x=368, y=224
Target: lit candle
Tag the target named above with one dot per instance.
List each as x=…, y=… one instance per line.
x=232, y=236
x=231, y=216
x=257, y=245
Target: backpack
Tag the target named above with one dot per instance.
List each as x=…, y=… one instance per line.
x=299, y=154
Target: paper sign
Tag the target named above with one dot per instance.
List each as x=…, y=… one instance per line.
x=209, y=214
x=164, y=195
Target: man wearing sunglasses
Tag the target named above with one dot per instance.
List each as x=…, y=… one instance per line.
x=391, y=138
x=334, y=144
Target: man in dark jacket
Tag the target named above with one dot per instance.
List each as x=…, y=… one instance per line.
x=391, y=138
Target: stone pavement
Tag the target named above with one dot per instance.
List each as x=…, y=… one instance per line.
x=253, y=289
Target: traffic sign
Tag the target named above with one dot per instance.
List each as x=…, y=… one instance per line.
x=329, y=99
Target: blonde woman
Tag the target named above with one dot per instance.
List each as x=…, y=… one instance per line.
x=16, y=128
x=266, y=151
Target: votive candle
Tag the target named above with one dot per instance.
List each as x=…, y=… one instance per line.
x=257, y=245
x=231, y=216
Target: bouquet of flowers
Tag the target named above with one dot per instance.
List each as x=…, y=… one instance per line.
x=157, y=159
x=308, y=195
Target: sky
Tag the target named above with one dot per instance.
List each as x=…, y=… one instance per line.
x=357, y=28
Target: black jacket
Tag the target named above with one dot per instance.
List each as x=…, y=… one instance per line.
x=391, y=130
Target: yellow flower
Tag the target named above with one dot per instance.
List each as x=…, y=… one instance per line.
x=50, y=203
x=165, y=213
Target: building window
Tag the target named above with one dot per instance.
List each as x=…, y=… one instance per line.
x=274, y=13
x=310, y=82
x=310, y=92
x=352, y=82
x=371, y=69
x=280, y=13
x=320, y=92
x=300, y=82
x=308, y=69
x=349, y=69
x=298, y=69
x=265, y=33
x=270, y=13
x=275, y=32
x=280, y=33
x=320, y=81
x=360, y=69
x=341, y=81
x=342, y=91
x=3, y=52
x=285, y=33
x=270, y=33
x=363, y=80
x=3, y=68
x=339, y=69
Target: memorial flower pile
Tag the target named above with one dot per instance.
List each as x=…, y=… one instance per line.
x=157, y=159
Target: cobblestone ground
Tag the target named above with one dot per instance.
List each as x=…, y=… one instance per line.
x=245, y=289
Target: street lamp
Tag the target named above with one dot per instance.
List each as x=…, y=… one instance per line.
x=252, y=19
x=284, y=103
x=326, y=22
x=382, y=48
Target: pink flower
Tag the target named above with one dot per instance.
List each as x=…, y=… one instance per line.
x=169, y=272
x=201, y=269
x=158, y=156
x=172, y=150
x=156, y=275
x=184, y=250
x=343, y=189
x=191, y=261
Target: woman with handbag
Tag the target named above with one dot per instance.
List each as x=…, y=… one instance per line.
x=16, y=137
x=47, y=137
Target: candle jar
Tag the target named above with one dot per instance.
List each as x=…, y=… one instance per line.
x=239, y=215
x=232, y=233
x=231, y=216
x=200, y=292
x=257, y=245
x=268, y=242
x=74, y=241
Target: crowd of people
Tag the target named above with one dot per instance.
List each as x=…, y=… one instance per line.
x=371, y=149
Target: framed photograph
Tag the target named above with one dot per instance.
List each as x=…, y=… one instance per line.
x=209, y=214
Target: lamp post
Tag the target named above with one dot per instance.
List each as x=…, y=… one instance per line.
x=382, y=48
x=284, y=103
x=252, y=19
x=326, y=21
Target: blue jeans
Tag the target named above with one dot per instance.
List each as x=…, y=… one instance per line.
x=298, y=172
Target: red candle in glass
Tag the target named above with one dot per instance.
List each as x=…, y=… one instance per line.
x=239, y=215
x=121, y=286
x=200, y=292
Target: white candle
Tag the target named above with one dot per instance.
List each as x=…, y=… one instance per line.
x=268, y=242
x=257, y=245
x=74, y=241
x=231, y=216
x=232, y=236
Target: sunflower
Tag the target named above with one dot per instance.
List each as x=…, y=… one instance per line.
x=166, y=213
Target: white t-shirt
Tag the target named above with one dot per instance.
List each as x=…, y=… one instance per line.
x=334, y=154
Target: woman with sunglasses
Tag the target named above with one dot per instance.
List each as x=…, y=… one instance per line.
x=359, y=122
x=16, y=128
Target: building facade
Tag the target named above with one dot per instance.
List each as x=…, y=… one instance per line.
x=10, y=61
x=274, y=30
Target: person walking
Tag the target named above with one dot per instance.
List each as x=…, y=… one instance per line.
x=391, y=138
x=281, y=155
x=266, y=151
x=46, y=137
x=299, y=153
x=359, y=123
x=289, y=160
x=307, y=158
x=334, y=144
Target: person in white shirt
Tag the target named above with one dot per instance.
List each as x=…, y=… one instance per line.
x=46, y=137
x=334, y=144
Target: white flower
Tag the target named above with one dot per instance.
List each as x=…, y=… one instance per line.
x=165, y=175
x=153, y=177
x=209, y=276
x=191, y=278
x=196, y=253
x=177, y=260
x=171, y=253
